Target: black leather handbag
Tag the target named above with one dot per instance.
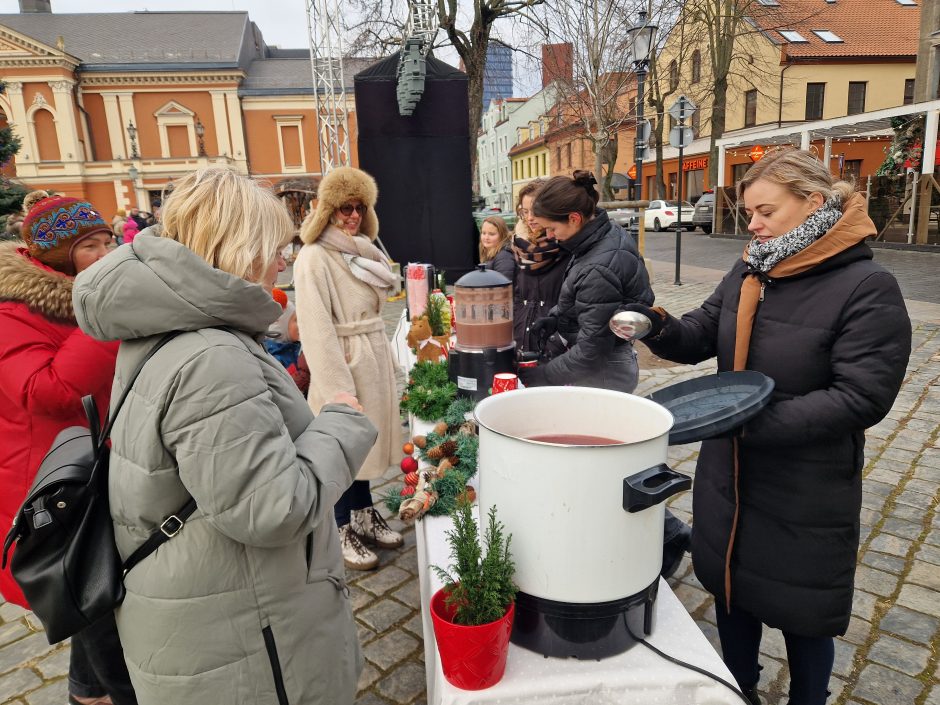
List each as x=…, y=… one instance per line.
x=66, y=561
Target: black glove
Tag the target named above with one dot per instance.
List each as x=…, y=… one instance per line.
x=657, y=319
x=532, y=376
x=544, y=327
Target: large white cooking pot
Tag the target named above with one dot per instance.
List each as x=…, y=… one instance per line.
x=586, y=521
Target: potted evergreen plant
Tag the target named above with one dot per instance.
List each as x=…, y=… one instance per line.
x=472, y=614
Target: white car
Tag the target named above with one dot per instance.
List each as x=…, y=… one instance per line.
x=662, y=215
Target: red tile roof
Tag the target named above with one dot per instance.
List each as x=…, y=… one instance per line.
x=868, y=28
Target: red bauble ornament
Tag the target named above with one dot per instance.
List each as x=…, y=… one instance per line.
x=411, y=479
x=409, y=464
x=407, y=491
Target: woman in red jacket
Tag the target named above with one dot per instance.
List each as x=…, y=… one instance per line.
x=46, y=365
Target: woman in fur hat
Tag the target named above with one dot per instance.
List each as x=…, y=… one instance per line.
x=342, y=281
x=46, y=366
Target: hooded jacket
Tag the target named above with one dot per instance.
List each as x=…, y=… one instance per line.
x=605, y=272
x=46, y=366
x=248, y=603
x=835, y=339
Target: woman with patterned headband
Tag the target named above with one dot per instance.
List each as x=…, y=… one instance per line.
x=46, y=366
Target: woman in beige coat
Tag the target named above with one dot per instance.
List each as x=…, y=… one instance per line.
x=342, y=281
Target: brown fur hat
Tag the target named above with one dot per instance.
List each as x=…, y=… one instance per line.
x=340, y=186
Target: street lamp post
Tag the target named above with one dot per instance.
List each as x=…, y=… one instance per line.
x=134, y=173
x=200, y=135
x=643, y=34
x=132, y=135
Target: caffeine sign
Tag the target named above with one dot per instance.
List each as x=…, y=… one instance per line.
x=695, y=164
x=757, y=153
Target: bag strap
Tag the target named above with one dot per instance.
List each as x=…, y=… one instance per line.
x=169, y=528
x=106, y=431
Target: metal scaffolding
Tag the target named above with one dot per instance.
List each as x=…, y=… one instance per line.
x=325, y=31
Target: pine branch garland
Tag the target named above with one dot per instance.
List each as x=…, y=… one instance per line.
x=429, y=392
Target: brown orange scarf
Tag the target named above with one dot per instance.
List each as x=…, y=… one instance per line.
x=851, y=229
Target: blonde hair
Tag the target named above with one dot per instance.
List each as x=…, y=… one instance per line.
x=798, y=171
x=229, y=220
x=487, y=254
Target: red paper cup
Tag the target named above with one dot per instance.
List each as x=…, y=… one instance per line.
x=527, y=364
x=505, y=382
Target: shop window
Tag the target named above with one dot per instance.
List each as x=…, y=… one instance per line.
x=852, y=170
x=694, y=184
x=750, y=108
x=856, y=97
x=815, y=99
x=738, y=171
x=908, y=91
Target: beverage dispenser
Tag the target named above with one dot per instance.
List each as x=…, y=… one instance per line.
x=485, y=347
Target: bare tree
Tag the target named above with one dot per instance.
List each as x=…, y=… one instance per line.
x=596, y=98
x=664, y=79
x=731, y=29
x=468, y=26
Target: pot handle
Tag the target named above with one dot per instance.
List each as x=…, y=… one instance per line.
x=649, y=487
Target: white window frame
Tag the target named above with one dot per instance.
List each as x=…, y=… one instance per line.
x=280, y=122
x=172, y=114
x=828, y=36
x=794, y=36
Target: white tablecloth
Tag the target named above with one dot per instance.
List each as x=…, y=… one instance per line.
x=636, y=677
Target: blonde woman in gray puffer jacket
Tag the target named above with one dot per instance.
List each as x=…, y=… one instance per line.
x=248, y=603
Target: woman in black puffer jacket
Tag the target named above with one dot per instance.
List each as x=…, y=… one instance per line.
x=777, y=506
x=605, y=272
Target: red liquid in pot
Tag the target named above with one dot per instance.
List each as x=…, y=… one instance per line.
x=574, y=439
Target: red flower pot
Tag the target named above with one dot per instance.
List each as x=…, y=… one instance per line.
x=472, y=658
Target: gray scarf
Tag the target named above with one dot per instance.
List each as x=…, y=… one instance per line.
x=365, y=260
x=763, y=257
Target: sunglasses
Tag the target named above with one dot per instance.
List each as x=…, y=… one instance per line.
x=347, y=209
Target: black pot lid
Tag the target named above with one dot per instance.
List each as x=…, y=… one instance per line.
x=713, y=405
x=482, y=278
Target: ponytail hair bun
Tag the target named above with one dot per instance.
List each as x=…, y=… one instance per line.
x=563, y=195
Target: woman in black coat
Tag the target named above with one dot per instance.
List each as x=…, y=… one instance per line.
x=604, y=273
x=777, y=506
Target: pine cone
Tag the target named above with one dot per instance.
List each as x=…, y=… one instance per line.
x=440, y=428
x=468, y=495
x=444, y=450
x=420, y=441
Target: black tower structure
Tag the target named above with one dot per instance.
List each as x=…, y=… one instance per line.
x=421, y=163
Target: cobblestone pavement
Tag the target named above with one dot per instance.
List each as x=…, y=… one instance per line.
x=889, y=656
